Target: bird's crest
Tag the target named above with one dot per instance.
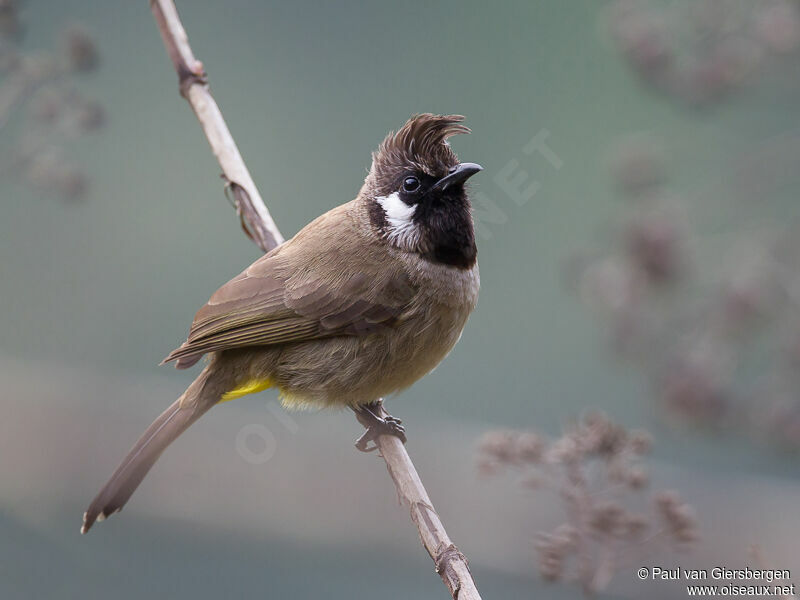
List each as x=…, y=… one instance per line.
x=420, y=144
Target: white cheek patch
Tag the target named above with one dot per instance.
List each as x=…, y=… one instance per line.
x=397, y=211
x=401, y=230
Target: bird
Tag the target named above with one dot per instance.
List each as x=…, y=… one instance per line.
x=359, y=304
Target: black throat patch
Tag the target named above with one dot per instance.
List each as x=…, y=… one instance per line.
x=447, y=227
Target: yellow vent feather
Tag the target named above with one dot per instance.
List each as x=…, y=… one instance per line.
x=252, y=386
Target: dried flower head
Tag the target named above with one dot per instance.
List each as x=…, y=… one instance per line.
x=654, y=244
x=44, y=83
x=699, y=53
x=499, y=447
x=9, y=18
x=80, y=49
x=600, y=529
x=90, y=116
x=678, y=517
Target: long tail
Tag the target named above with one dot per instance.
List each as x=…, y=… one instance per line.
x=194, y=403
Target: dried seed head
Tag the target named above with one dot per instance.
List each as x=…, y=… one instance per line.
x=563, y=451
x=90, y=116
x=643, y=38
x=598, y=435
x=50, y=172
x=634, y=526
x=530, y=447
x=499, y=446
x=654, y=244
x=595, y=527
x=693, y=389
x=70, y=183
x=606, y=518
x=48, y=104
x=553, y=549
x=637, y=478
x=640, y=441
x=551, y=564
x=568, y=537
x=778, y=27
x=80, y=49
x=486, y=467
x=610, y=287
x=9, y=18
x=678, y=517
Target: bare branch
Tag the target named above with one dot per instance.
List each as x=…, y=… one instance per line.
x=194, y=87
x=450, y=563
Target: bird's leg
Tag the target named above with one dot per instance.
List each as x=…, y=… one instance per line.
x=369, y=416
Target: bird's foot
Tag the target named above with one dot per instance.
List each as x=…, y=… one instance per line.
x=368, y=416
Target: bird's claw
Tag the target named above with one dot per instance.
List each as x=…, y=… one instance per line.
x=377, y=426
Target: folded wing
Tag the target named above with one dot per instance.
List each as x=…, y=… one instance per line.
x=275, y=302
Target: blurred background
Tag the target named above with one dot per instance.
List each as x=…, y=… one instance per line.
x=638, y=244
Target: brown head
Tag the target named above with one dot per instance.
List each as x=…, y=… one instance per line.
x=415, y=191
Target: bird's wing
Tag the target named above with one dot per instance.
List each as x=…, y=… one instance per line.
x=298, y=292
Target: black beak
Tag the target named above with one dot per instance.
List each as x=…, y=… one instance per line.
x=458, y=174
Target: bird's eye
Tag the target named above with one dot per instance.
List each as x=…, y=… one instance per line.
x=410, y=184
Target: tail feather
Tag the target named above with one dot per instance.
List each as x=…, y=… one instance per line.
x=161, y=433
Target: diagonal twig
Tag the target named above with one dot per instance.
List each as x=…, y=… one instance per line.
x=450, y=563
x=194, y=87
